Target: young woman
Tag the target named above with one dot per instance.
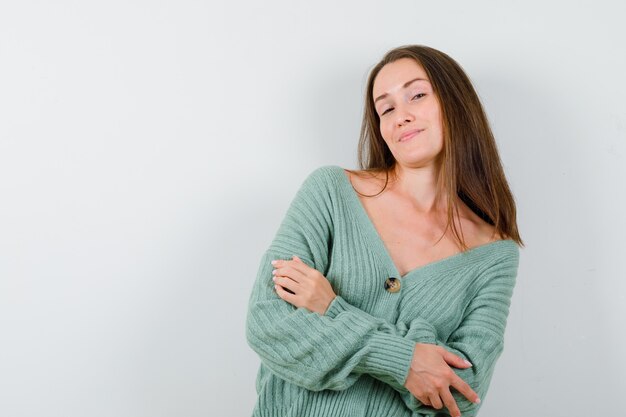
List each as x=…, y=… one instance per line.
x=386, y=291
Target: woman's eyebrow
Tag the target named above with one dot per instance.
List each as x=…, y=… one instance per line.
x=406, y=84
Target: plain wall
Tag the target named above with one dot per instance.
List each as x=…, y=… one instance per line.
x=149, y=150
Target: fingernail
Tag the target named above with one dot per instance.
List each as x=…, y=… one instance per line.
x=273, y=272
x=468, y=362
x=274, y=262
x=477, y=401
x=273, y=278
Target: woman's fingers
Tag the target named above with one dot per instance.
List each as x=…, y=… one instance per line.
x=296, y=265
x=288, y=271
x=455, y=360
x=286, y=283
x=457, y=382
x=435, y=401
x=312, y=290
x=465, y=389
x=431, y=373
x=450, y=403
x=285, y=295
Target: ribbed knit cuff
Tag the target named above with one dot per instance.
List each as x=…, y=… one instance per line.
x=389, y=355
x=336, y=306
x=422, y=331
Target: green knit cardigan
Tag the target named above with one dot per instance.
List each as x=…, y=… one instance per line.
x=354, y=359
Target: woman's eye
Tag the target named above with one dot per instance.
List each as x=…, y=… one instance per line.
x=419, y=94
x=386, y=111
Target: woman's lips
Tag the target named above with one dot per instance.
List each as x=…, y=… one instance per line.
x=408, y=135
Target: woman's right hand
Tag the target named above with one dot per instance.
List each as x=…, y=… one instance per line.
x=430, y=377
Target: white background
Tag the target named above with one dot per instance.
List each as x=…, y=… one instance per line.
x=149, y=150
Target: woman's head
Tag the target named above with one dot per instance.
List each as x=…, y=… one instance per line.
x=460, y=108
x=444, y=108
x=408, y=114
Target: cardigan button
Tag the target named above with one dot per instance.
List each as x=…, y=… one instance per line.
x=392, y=284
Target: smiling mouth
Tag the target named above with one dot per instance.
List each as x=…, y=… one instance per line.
x=409, y=135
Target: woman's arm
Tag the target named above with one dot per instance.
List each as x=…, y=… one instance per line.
x=308, y=349
x=316, y=351
x=478, y=337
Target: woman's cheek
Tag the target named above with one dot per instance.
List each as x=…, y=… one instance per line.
x=385, y=131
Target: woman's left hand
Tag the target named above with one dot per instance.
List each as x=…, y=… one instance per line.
x=310, y=288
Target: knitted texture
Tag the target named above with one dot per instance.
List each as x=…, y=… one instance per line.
x=354, y=359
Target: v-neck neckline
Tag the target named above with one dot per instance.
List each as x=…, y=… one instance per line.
x=375, y=239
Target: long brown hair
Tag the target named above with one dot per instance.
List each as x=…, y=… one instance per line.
x=470, y=163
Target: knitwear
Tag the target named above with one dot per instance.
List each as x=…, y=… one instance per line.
x=353, y=360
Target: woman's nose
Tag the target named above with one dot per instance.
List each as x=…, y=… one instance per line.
x=404, y=117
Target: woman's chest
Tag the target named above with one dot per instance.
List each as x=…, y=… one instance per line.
x=361, y=275
x=413, y=239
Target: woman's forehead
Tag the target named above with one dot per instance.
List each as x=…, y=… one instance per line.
x=393, y=76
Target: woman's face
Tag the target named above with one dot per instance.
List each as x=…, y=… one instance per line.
x=410, y=115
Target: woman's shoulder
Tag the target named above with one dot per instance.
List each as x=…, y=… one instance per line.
x=335, y=177
x=322, y=182
x=325, y=170
x=327, y=176
x=320, y=176
x=370, y=181
x=477, y=233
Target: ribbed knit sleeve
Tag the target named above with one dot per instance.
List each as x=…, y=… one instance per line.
x=316, y=351
x=479, y=338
